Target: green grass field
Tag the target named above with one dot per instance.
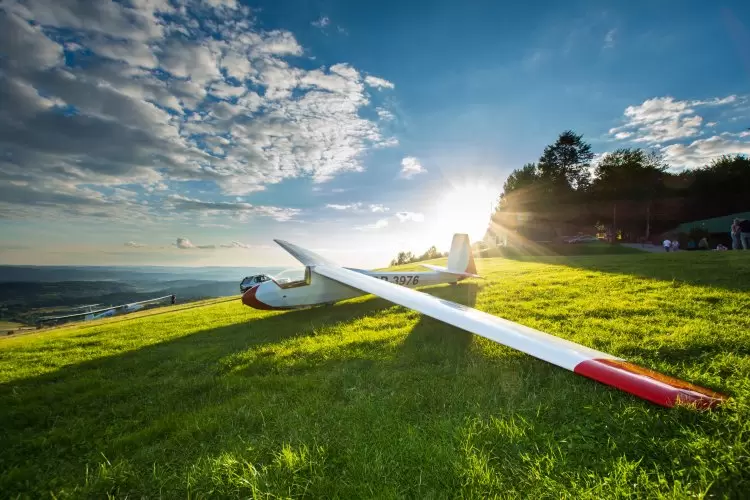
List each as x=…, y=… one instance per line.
x=366, y=399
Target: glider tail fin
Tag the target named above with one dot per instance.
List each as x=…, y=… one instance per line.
x=460, y=258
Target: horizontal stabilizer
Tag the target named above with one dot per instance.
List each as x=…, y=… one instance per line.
x=448, y=271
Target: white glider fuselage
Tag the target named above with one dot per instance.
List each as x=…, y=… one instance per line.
x=315, y=289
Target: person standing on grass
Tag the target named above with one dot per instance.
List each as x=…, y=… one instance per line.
x=745, y=234
x=667, y=244
x=735, y=234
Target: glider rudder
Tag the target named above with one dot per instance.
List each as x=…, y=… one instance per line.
x=460, y=258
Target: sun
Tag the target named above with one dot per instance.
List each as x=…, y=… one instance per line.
x=464, y=208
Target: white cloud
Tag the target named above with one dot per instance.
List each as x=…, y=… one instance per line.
x=384, y=114
x=349, y=206
x=410, y=167
x=665, y=119
x=186, y=244
x=230, y=4
x=276, y=43
x=223, y=111
x=321, y=22
x=359, y=206
x=239, y=209
x=609, y=38
x=700, y=152
x=716, y=101
x=236, y=244
x=134, y=126
x=660, y=121
x=25, y=46
x=379, y=224
x=106, y=18
x=191, y=60
x=133, y=244
x=410, y=216
x=227, y=91
x=237, y=64
x=133, y=52
x=378, y=83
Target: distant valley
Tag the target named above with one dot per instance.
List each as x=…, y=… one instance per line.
x=28, y=293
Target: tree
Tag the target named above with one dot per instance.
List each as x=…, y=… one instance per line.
x=521, y=178
x=567, y=161
x=628, y=179
x=431, y=253
x=518, y=188
x=631, y=190
x=409, y=257
x=402, y=258
x=721, y=187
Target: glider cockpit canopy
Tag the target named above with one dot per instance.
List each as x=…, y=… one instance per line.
x=293, y=277
x=288, y=278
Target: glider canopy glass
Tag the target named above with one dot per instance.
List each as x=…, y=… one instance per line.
x=293, y=277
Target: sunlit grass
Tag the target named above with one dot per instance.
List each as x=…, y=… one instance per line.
x=368, y=399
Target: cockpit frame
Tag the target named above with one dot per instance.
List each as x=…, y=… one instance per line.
x=295, y=284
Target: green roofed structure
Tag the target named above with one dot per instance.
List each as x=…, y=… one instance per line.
x=715, y=225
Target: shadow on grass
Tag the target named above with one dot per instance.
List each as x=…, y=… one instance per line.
x=422, y=416
x=727, y=270
x=434, y=342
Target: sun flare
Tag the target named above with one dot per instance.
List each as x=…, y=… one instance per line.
x=464, y=208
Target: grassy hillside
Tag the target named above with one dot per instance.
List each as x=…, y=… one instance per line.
x=368, y=399
x=9, y=325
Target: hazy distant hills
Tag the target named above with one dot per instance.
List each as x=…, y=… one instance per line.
x=38, y=274
x=28, y=292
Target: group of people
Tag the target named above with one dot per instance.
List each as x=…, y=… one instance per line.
x=674, y=245
x=740, y=234
x=670, y=245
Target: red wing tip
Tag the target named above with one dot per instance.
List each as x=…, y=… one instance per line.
x=648, y=384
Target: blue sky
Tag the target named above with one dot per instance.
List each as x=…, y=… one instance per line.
x=193, y=133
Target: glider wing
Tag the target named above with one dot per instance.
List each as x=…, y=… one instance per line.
x=644, y=383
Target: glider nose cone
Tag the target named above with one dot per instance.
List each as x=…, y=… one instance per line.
x=249, y=298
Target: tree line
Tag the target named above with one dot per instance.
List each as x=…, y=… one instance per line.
x=409, y=257
x=630, y=191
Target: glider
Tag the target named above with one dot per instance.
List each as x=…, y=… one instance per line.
x=269, y=292
x=325, y=282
